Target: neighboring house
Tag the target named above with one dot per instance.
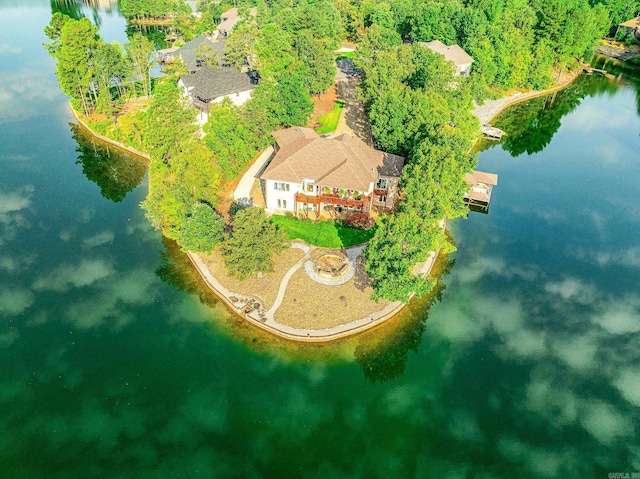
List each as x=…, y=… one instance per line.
x=632, y=26
x=452, y=53
x=187, y=52
x=212, y=85
x=193, y=5
x=309, y=173
x=229, y=19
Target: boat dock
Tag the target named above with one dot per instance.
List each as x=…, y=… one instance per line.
x=479, y=195
x=491, y=132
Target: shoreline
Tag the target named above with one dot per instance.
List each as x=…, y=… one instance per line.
x=303, y=335
x=490, y=109
x=485, y=113
x=108, y=140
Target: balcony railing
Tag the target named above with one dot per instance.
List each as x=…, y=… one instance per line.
x=336, y=200
x=379, y=192
x=200, y=105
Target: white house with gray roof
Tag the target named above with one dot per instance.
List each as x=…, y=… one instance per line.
x=212, y=85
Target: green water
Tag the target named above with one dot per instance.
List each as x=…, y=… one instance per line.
x=115, y=362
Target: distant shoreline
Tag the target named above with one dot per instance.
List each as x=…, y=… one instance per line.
x=490, y=109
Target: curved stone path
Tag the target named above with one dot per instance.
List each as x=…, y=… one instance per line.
x=285, y=281
x=301, y=334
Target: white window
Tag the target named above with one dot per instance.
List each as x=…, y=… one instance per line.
x=282, y=204
x=281, y=186
x=382, y=184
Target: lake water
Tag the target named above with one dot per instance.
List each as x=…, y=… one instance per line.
x=115, y=362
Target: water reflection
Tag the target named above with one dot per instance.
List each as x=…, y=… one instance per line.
x=115, y=172
x=531, y=125
x=74, y=8
x=383, y=357
x=177, y=270
x=154, y=33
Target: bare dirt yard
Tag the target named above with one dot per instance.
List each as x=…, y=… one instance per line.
x=266, y=287
x=311, y=305
x=322, y=104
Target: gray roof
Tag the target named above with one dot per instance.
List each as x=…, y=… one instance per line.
x=188, y=51
x=210, y=83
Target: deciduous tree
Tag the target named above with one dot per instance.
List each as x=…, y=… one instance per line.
x=202, y=230
x=253, y=241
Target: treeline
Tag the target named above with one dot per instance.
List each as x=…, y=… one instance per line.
x=96, y=75
x=515, y=43
x=142, y=9
x=415, y=111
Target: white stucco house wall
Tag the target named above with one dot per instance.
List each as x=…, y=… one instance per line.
x=309, y=173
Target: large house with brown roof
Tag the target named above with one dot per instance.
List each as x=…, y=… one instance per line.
x=453, y=53
x=314, y=174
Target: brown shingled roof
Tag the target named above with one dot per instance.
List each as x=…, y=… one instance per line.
x=341, y=162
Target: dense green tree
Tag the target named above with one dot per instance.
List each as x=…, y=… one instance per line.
x=285, y=103
x=240, y=46
x=139, y=51
x=229, y=138
x=373, y=40
x=435, y=21
x=350, y=17
x=176, y=184
x=110, y=69
x=317, y=17
x=400, y=242
x=207, y=56
x=253, y=241
x=433, y=181
x=317, y=67
x=275, y=52
x=75, y=66
x=167, y=122
x=202, y=230
x=53, y=31
x=378, y=14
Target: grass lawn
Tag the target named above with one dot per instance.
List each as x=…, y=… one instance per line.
x=325, y=234
x=329, y=122
x=345, y=55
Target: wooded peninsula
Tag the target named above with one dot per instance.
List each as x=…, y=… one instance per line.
x=417, y=105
